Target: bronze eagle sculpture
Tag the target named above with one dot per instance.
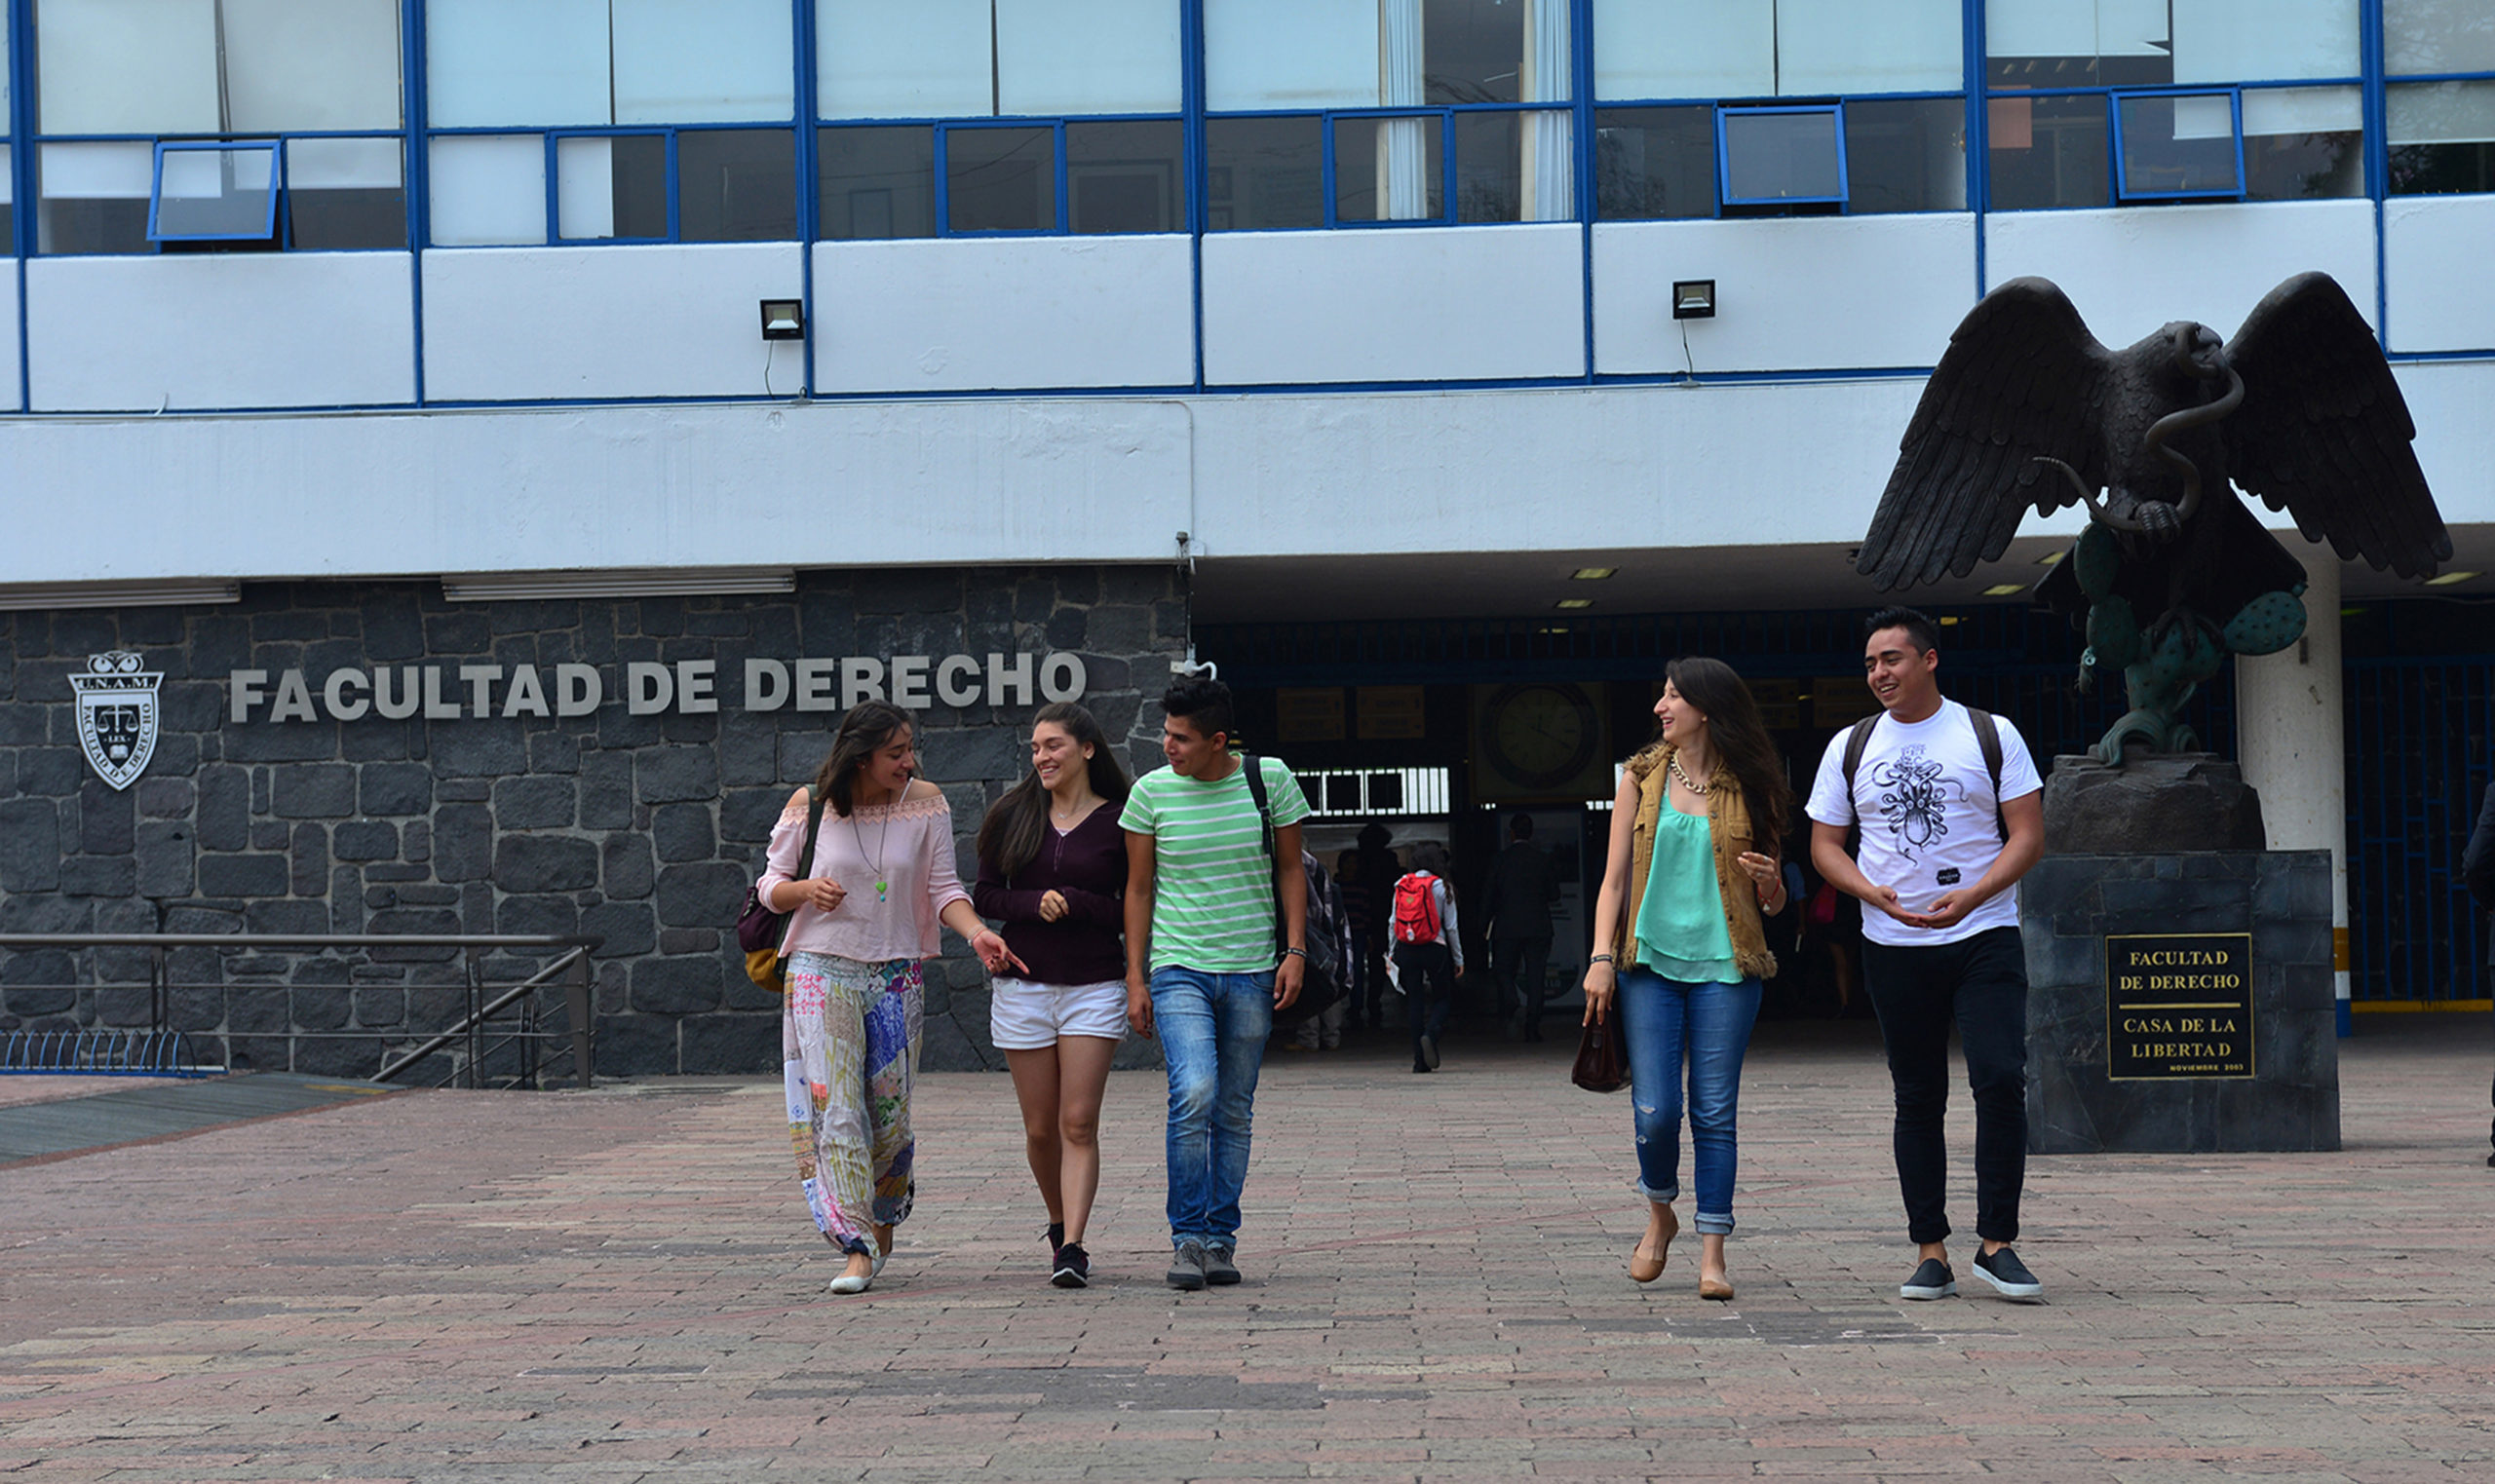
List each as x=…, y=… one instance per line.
x=2172, y=573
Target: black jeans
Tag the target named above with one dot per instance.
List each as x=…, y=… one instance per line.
x=1426, y=974
x=1982, y=984
x=1520, y=965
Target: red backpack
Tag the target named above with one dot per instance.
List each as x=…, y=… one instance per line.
x=1416, y=910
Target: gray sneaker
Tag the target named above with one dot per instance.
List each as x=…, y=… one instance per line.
x=1187, y=1269
x=1218, y=1268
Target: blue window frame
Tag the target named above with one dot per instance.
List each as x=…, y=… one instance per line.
x=2178, y=144
x=226, y=191
x=1093, y=174
x=677, y=183
x=1784, y=155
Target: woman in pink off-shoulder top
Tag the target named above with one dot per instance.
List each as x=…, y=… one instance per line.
x=865, y=912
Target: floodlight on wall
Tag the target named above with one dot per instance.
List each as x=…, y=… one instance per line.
x=616, y=582
x=23, y=596
x=1694, y=299
x=784, y=319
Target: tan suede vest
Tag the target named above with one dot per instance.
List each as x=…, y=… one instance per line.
x=1728, y=830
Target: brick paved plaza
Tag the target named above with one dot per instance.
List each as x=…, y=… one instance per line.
x=622, y=1284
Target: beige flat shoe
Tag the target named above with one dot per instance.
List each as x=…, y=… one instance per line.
x=1644, y=1269
x=1716, y=1288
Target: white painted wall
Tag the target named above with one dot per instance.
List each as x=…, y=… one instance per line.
x=2435, y=272
x=953, y=315
x=10, y=383
x=1394, y=304
x=219, y=330
x=1846, y=292
x=2133, y=270
x=552, y=324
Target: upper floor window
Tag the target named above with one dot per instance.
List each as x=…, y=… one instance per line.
x=1095, y=86
x=1764, y=49
x=1406, y=111
x=623, y=100
x=117, y=76
x=8, y=173
x=2095, y=101
x=2441, y=132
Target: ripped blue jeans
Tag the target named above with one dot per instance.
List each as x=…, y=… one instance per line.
x=1665, y=1025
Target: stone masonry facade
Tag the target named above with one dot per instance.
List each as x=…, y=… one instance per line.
x=642, y=830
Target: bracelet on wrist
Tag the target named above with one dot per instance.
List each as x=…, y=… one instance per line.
x=1599, y=958
x=1295, y=953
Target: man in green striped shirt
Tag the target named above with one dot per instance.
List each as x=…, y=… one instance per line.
x=1205, y=969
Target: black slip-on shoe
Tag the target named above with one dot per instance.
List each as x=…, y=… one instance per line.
x=1931, y=1280
x=1430, y=1052
x=1187, y=1267
x=1073, y=1266
x=2009, y=1277
x=1219, y=1270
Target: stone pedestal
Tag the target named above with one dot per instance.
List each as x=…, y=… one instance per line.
x=2155, y=801
x=2285, y=1096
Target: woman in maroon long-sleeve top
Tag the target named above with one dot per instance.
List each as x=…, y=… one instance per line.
x=1053, y=869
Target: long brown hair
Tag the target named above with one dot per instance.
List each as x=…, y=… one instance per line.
x=867, y=729
x=1738, y=736
x=1017, y=823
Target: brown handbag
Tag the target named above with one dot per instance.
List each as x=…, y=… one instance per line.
x=1600, y=1065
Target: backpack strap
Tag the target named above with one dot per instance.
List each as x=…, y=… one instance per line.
x=1988, y=742
x=1265, y=829
x=1856, y=741
x=805, y=857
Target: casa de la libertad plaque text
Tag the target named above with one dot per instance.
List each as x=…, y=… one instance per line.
x=2178, y=1006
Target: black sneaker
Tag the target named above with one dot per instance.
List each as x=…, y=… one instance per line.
x=1430, y=1052
x=1932, y=1280
x=2009, y=1277
x=1073, y=1266
x=1218, y=1268
x=1420, y=1066
x=1055, y=1236
x=1188, y=1267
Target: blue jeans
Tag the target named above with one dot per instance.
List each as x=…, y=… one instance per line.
x=1663, y=1024
x=1212, y=1029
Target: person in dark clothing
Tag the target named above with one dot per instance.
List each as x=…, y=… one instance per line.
x=1517, y=907
x=1374, y=882
x=1052, y=868
x=2478, y=873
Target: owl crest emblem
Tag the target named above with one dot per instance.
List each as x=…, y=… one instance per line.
x=118, y=716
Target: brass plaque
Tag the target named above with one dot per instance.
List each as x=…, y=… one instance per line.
x=2178, y=1006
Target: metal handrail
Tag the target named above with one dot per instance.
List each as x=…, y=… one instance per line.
x=576, y=961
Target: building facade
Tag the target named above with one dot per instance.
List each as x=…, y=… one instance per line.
x=1335, y=339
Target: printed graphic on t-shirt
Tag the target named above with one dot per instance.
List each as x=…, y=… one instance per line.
x=1914, y=797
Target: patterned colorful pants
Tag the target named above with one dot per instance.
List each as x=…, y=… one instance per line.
x=850, y=1035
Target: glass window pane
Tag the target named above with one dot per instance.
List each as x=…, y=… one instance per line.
x=2047, y=152
x=2172, y=145
x=487, y=189
x=8, y=206
x=311, y=65
x=1264, y=175
x=1290, y=54
x=1550, y=165
x=1388, y=170
x=1489, y=166
x=715, y=61
x=736, y=185
x=1845, y=45
x=1905, y=155
x=345, y=193
x=2244, y=41
x=1781, y=157
x=2438, y=37
x=1707, y=49
x=5, y=114
x=2442, y=136
x=490, y=61
x=216, y=193
x=127, y=66
x=925, y=60
x=611, y=186
x=95, y=198
x=1126, y=177
x=1473, y=51
x=2303, y=143
x=1654, y=162
x=1087, y=56
x=2078, y=43
x=876, y=183
x=1000, y=179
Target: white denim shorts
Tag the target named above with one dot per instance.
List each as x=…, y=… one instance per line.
x=1023, y=1016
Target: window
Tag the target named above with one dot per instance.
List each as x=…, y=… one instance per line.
x=127, y=74
x=631, y=107
x=1773, y=156
x=1422, y=111
x=1652, y=162
x=8, y=176
x=1092, y=89
x=2443, y=132
x=2176, y=144
x=1760, y=49
x=2058, y=44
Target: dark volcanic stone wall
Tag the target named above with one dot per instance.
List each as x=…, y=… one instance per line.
x=642, y=830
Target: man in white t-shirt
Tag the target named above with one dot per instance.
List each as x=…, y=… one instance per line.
x=1951, y=814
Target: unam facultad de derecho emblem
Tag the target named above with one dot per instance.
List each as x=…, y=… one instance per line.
x=117, y=715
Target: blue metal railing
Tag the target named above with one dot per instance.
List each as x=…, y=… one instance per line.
x=2420, y=733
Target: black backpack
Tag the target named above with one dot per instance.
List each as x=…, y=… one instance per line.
x=1322, y=979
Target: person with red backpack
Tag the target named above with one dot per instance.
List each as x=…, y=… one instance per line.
x=1428, y=953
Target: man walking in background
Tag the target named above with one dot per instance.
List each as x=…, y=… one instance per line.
x=1517, y=908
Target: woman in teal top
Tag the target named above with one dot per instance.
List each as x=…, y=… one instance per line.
x=1684, y=893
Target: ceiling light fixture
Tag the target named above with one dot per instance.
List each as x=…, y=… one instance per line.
x=2049, y=559
x=1574, y=602
x=2449, y=578
x=1592, y=574
x=2004, y=590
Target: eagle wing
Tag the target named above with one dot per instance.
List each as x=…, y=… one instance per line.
x=2324, y=432
x=2022, y=380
